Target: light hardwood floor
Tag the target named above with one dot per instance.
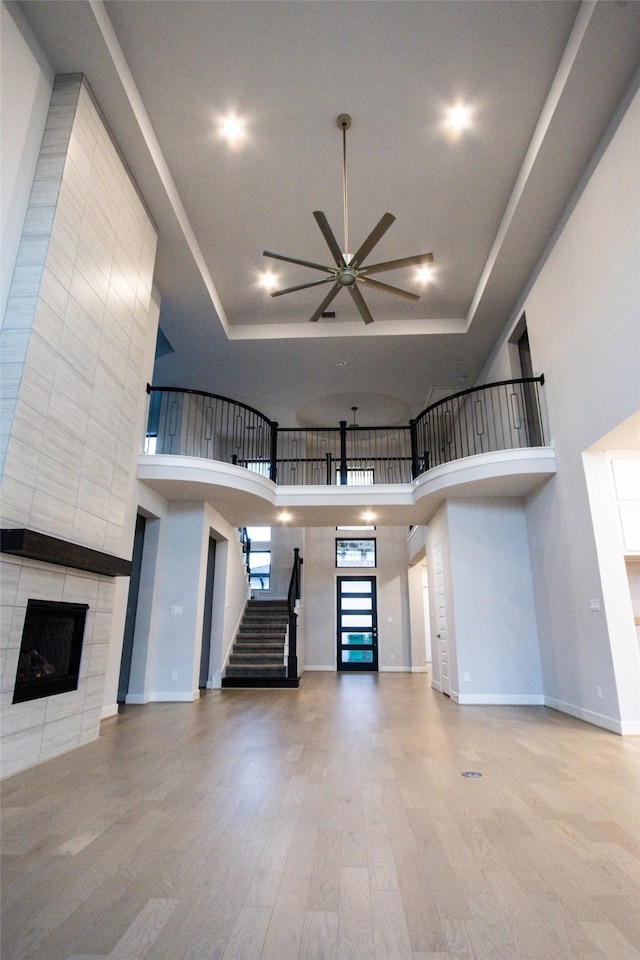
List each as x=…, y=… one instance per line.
x=327, y=822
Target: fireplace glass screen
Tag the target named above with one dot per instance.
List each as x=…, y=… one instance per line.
x=51, y=648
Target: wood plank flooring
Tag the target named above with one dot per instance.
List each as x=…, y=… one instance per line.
x=327, y=822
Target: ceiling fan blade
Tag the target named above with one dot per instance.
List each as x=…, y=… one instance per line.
x=398, y=264
x=301, y=286
x=325, y=303
x=388, y=288
x=303, y=263
x=358, y=299
x=376, y=234
x=328, y=234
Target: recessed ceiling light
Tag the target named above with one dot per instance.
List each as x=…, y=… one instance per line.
x=369, y=516
x=341, y=363
x=458, y=118
x=268, y=280
x=233, y=129
x=284, y=517
x=424, y=275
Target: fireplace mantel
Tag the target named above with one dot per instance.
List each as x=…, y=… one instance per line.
x=39, y=546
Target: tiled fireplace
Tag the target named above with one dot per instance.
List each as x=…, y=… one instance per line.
x=76, y=357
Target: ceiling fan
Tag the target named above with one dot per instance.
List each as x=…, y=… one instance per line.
x=350, y=271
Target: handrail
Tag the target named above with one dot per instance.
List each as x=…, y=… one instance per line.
x=482, y=386
x=294, y=594
x=503, y=415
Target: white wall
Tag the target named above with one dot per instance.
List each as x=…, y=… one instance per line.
x=168, y=636
x=583, y=317
x=496, y=638
x=491, y=626
x=26, y=82
x=320, y=579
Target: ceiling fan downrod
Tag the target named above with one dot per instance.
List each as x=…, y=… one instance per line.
x=344, y=122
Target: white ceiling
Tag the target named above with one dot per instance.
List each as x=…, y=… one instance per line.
x=542, y=79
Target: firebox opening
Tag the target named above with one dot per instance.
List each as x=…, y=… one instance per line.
x=51, y=648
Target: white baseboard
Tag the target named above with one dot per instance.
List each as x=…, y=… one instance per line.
x=420, y=669
x=162, y=697
x=436, y=685
x=386, y=669
x=173, y=697
x=332, y=668
x=501, y=699
x=627, y=727
x=110, y=711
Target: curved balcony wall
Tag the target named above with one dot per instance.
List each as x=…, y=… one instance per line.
x=494, y=417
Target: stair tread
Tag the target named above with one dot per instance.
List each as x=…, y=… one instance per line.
x=258, y=648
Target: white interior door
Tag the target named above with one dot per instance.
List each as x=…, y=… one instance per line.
x=441, y=619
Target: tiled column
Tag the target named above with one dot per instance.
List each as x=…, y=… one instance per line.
x=74, y=366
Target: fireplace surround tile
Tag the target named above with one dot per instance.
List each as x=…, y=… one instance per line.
x=87, y=412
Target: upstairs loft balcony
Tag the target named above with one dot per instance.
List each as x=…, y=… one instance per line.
x=493, y=435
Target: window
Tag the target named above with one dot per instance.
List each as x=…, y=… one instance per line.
x=259, y=569
x=259, y=534
x=356, y=553
x=356, y=527
x=357, y=477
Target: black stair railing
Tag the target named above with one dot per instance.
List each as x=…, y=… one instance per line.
x=295, y=593
x=496, y=416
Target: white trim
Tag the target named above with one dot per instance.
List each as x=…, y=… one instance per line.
x=502, y=699
x=307, y=666
x=177, y=697
x=169, y=697
x=109, y=711
x=631, y=727
x=436, y=685
x=419, y=669
x=394, y=669
x=139, y=698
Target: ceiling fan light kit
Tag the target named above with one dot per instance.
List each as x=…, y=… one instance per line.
x=350, y=271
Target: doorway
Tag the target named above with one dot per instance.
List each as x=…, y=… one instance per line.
x=357, y=624
x=442, y=635
x=132, y=609
x=205, y=650
x=534, y=427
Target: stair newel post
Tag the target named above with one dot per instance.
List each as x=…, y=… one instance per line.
x=413, y=433
x=273, y=453
x=343, y=452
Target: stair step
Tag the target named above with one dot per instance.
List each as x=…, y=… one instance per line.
x=256, y=670
x=258, y=651
x=259, y=648
x=261, y=618
x=259, y=639
x=256, y=658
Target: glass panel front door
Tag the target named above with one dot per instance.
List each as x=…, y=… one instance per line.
x=357, y=624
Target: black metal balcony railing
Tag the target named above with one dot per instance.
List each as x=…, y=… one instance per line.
x=498, y=416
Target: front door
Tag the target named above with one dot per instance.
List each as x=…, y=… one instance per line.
x=357, y=624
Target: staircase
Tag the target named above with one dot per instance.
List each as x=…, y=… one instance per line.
x=257, y=658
